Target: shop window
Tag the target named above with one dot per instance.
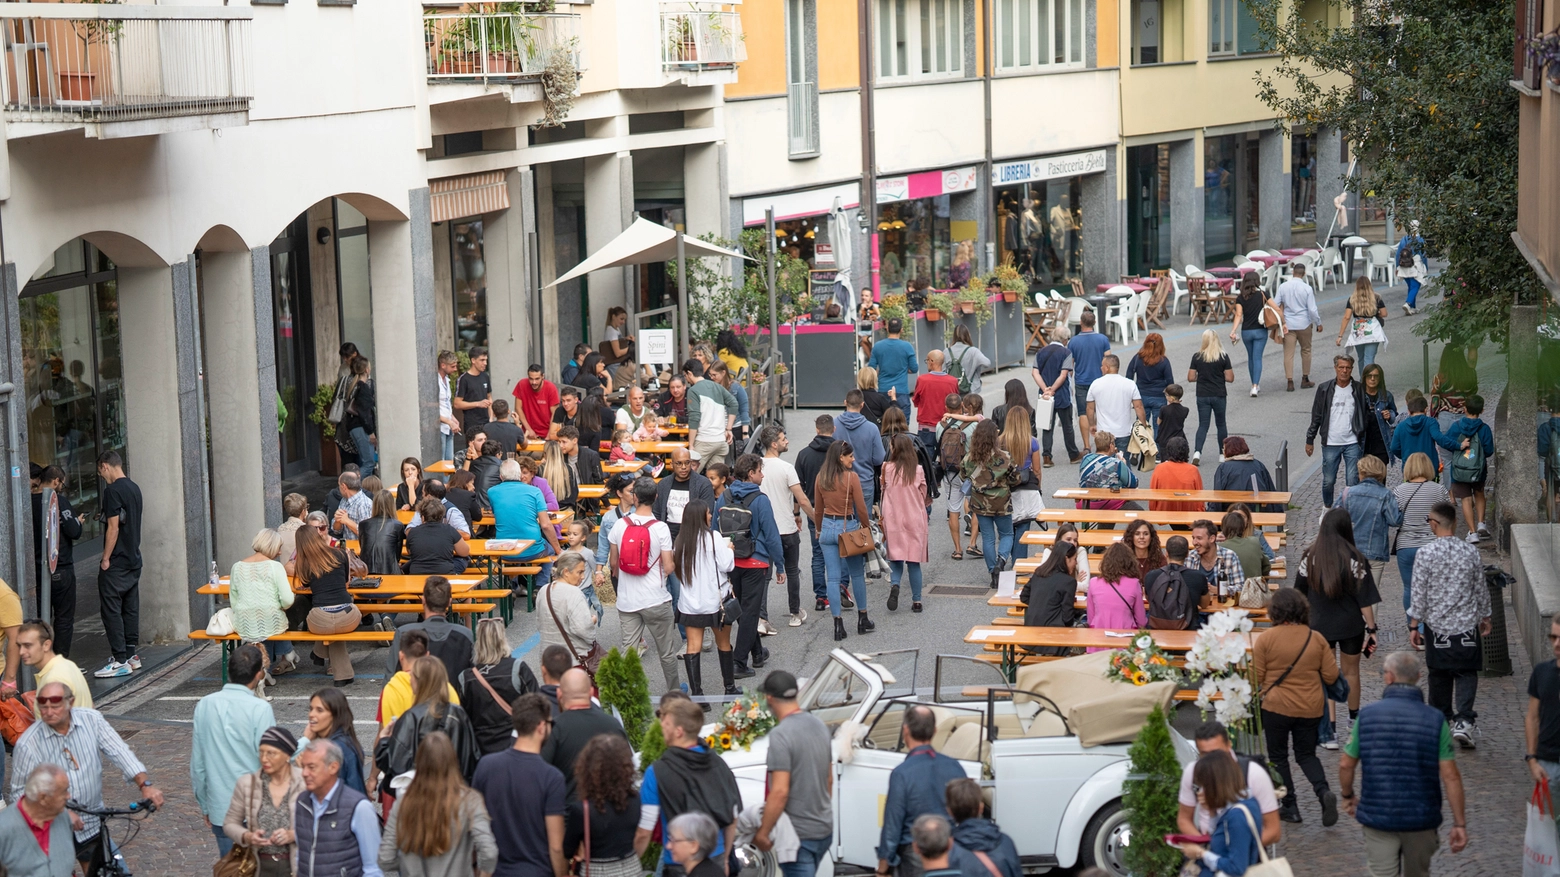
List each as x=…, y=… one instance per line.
x=801, y=78
x=1157, y=26
x=468, y=273
x=920, y=39
x=1035, y=34
x=1221, y=176
x=1302, y=181
x=73, y=374
x=1040, y=231
x=1232, y=30
x=916, y=242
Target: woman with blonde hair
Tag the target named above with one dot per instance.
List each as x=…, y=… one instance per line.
x=1418, y=493
x=259, y=593
x=555, y=468
x=1210, y=370
x=874, y=403
x=1361, y=323
x=1024, y=450
x=395, y=752
x=440, y=825
x=493, y=682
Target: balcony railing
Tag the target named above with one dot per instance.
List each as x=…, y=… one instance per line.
x=501, y=46
x=698, y=36
x=109, y=63
x=801, y=101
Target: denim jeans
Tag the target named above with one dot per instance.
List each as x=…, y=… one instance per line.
x=224, y=843
x=276, y=650
x=808, y=856
x=855, y=567
x=1020, y=550
x=820, y=574
x=1256, y=341
x=1331, y=454
x=447, y=446
x=1210, y=410
x=1364, y=354
x=996, y=539
x=896, y=569
x=674, y=587
x=1405, y=560
x=1151, y=411
x=867, y=492
x=904, y=405
x=367, y=455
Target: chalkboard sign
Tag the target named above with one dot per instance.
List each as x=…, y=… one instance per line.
x=823, y=282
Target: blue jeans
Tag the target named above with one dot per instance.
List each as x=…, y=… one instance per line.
x=447, y=446
x=1020, y=550
x=1151, y=411
x=1413, y=290
x=367, y=455
x=820, y=574
x=904, y=405
x=1256, y=341
x=1210, y=410
x=674, y=587
x=276, y=649
x=1331, y=454
x=224, y=843
x=1405, y=559
x=996, y=538
x=855, y=567
x=808, y=856
x=1364, y=354
x=867, y=492
x=896, y=569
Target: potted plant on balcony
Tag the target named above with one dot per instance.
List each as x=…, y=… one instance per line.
x=937, y=304
x=682, y=44
x=560, y=84
x=893, y=307
x=76, y=86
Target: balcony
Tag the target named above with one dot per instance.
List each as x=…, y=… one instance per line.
x=701, y=38
x=124, y=71
x=498, y=47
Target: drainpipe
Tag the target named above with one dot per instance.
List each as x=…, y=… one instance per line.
x=986, y=183
x=868, y=159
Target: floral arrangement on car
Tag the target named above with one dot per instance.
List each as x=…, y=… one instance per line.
x=1141, y=664
x=1220, y=660
x=745, y=720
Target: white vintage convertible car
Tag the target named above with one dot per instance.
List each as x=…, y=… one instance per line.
x=1058, y=799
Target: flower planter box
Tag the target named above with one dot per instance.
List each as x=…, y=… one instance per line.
x=76, y=87
x=932, y=315
x=967, y=307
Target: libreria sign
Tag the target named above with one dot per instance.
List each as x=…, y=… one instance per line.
x=1037, y=169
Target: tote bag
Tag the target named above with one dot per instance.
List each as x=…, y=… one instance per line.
x=1278, y=867
x=1539, y=844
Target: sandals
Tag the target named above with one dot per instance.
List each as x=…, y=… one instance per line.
x=957, y=555
x=974, y=552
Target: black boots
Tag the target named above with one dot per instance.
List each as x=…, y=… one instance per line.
x=726, y=673
x=839, y=628
x=893, y=598
x=695, y=677
x=863, y=623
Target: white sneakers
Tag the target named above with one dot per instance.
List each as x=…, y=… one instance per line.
x=1196, y=457
x=1409, y=311
x=114, y=669
x=798, y=618
x=1255, y=389
x=1463, y=732
x=765, y=628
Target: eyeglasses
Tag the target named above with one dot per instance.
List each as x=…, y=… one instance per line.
x=56, y=700
x=683, y=840
x=74, y=764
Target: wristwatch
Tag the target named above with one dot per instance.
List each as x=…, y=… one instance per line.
x=1530, y=757
x=1370, y=630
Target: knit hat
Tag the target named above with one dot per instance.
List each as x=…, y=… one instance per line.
x=281, y=739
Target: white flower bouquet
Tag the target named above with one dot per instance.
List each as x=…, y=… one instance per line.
x=1220, y=659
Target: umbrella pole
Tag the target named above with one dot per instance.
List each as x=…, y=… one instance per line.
x=682, y=306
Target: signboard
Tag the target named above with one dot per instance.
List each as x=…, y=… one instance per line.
x=1055, y=167
x=928, y=184
x=823, y=254
x=657, y=347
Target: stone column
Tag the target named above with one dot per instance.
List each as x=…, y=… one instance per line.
x=547, y=272
x=236, y=312
x=510, y=295
x=16, y=561
x=1103, y=247
x=1330, y=172
x=401, y=274
x=1517, y=493
x=609, y=208
x=1186, y=204
x=1275, y=195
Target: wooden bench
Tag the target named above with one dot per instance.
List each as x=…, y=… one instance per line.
x=231, y=641
x=529, y=569
x=469, y=610
x=504, y=596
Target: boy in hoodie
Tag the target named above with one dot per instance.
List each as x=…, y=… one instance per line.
x=864, y=438
x=1418, y=433
x=1470, y=494
x=750, y=577
x=809, y=462
x=980, y=849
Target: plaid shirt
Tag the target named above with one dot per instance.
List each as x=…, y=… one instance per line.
x=1226, y=574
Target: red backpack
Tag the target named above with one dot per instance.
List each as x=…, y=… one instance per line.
x=634, y=552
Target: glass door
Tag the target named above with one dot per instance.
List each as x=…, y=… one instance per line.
x=1148, y=208
x=293, y=312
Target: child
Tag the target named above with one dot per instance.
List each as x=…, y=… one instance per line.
x=1469, y=489
x=1172, y=417
x=719, y=475
x=623, y=452
x=574, y=535
x=964, y=413
x=1416, y=433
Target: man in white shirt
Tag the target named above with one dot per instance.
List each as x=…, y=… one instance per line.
x=1114, y=403
x=644, y=604
x=1301, y=322
x=448, y=425
x=1195, y=819
x=784, y=488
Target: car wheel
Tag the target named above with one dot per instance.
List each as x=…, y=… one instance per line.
x=757, y=863
x=1105, y=841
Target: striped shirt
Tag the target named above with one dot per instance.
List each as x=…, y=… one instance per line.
x=80, y=752
x=1415, y=499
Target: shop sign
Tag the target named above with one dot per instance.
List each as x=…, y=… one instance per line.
x=1055, y=167
x=823, y=254
x=927, y=184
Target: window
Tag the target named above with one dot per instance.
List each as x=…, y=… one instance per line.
x=921, y=39
x=1232, y=30
x=801, y=86
x=1032, y=34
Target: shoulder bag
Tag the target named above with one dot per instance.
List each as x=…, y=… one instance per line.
x=1254, y=593
x=592, y=658
x=1267, y=867
x=241, y=861
x=854, y=543
x=1310, y=635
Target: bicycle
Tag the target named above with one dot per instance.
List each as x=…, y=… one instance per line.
x=110, y=860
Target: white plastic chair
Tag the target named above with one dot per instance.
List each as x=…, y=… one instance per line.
x=1122, y=314
x=1144, y=300
x=1178, y=291
x=1378, y=257
x=1255, y=266
x=1193, y=270
x=1255, y=253
x=1075, y=309
x=1330, y=266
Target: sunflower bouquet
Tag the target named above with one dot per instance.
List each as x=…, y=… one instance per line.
x=1141, y=664
x=745, y=720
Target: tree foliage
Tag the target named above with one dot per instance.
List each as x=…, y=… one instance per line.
x=716, y=303
x=1150, y=797
x=1419, y=87
x=622, y=685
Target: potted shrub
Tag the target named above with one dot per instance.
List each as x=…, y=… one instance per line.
x=937, y=304
x=974, y=299
x=893, y=307
x=1150, y=798
x=1009, y=281
x=319, y=410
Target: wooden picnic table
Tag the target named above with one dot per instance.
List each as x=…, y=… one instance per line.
x=1264, y=497
x=1012, y=638
x=389, y=586
x=535, y=446
x=1106, y=538
x=1127, y=516
x=440, y=467
x=558, y=517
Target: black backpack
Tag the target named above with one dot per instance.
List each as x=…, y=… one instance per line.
x=735, y=521
x=1171, y=604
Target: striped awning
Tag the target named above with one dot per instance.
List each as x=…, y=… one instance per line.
x=470, y=195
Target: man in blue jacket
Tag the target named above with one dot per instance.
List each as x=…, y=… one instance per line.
x=894, y=359
x=750, y=577
x=915, y=789
x=1418, y=433
x=1459, y=437
x=865, y=440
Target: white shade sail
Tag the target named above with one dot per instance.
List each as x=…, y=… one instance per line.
x=642, y=242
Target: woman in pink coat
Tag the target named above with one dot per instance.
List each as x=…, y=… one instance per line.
x=1115, y=598
x=905, y=505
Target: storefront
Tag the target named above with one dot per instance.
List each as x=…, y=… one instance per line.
x=69, y=319
x=1231, y=210
x=802, y=222
x=1302, y=184
x=927, y=226
x=1039, y=215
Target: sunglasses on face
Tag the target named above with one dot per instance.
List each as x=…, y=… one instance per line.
x=56, y=700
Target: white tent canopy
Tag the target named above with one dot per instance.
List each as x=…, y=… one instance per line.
x=642, y=242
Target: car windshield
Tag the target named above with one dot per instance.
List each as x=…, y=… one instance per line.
x=834, y=694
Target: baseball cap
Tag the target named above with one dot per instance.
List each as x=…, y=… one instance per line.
x=781, y=684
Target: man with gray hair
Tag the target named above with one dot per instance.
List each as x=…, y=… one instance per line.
x=355, y=505
x=933, y=839
x=1052, y=371
x=329, y=841
x=35, y=835
x=915, y=788
x=1344, y=419
x=1403, y=746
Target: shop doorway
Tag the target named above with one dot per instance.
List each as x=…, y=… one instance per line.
x=292, y=309
x=1148, y=208
x=1232, y=209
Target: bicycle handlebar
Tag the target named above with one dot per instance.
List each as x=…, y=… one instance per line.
x=143, y=806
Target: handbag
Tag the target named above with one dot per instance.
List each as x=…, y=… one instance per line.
x=592, y=658
x=16, y=716
x=1254, y=593
x=1337, y=690
x=221, y=623
x=1045, y=412
x=241, y=861
x=854, y=543
x=730, y=609
x=356, y=568
x=1267, y=867
x=1540, y=844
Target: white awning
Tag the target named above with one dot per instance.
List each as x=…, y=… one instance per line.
x=642, y=242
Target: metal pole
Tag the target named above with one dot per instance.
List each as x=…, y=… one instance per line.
x=1426, y=345
x=682, y=306
x=774, y=319
x=868, y=200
